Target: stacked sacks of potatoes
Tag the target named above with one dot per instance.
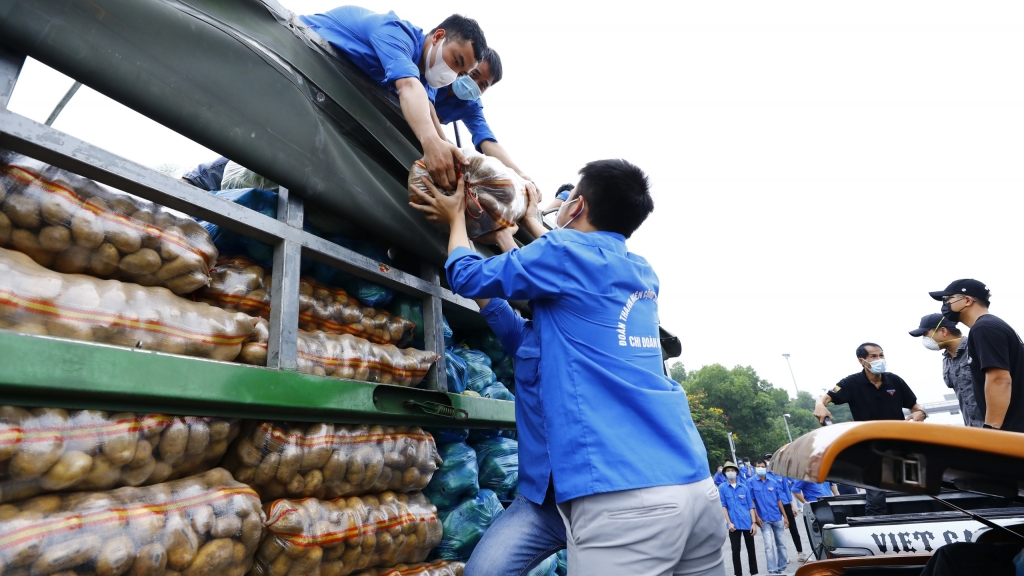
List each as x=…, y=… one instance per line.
x=73, y=225
x=332, y=460
x=204, y=525
x=436, y=568
x=238, y=284
x=35, y=300
x=345, y=535
x=345, y=356
x=51, y=449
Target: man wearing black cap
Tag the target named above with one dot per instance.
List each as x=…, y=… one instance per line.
x=994, y=352
x=937, y=333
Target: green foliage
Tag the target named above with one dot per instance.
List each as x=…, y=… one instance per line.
x=741, y=402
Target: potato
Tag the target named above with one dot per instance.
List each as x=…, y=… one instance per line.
x=74, y=260
x=103, y=474
x=5, y=229
x=136, y=474
x=161, y=472
x=173, y=442
x=125, y=239
x=184, y=264
x=267, y=469
x=181, y=542
x=203, y=519
x=71, y=468
x=291, y=457
x=151, y=561
x=27, y=242
x=254, y=354
x=55, y=238
x=24, y=211
x=143, y=452
x=212, y=558
x=145, y=261
x=120, y=448
x=69, y=554
x=170, y=246
x=105, y=260
x=187, y=283
x=143, y=215
x=116, y=557
x=198, y=438
x=36, y=458
x=87, y=230
x=226, y=527
x=57, y=210
x=123, y=205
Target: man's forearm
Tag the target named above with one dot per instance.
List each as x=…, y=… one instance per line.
x=533, y=226
x=492, y=148
x=416, y=109
x=457, y=236
x=437, y=122
x=997, y=397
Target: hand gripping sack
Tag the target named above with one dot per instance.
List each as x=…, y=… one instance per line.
x=54, y=450
x=35, y=300
x=342, y=536
x=332, y=460
x=204, y=525
x=495, y=194
x=71, y=224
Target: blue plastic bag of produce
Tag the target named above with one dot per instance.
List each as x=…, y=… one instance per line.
x=561, y=563
x=479, y=434
x=497, y=391
x=478, y=369
x=545, y=568
x=447, y=331
x=455, y=368
x=370, y=294
x=448, y=435
x=504, y=371
x=456, y=479
x=465, y=524
x=498, y=460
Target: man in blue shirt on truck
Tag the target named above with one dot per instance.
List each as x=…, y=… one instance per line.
x=629, y=469
x=401, y=57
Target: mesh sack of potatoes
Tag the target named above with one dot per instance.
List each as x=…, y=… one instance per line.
x=495, y=194
x=238, y=284
x=51, y=449
x=332, y=460
x=72, y=224
x=345, y=535
x=35, y=300
x=435, y=568
x=345, y=356
x=204, y=525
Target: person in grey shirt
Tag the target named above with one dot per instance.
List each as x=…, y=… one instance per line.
x=936, y=334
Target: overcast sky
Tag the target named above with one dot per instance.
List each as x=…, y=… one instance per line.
x=817, y=167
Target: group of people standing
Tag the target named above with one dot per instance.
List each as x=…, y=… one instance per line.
x=752, y=497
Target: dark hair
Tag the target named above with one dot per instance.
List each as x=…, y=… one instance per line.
x=564, y=188
x=494, y=61
x=981, y=301
x=760, y=462
x=458, y=28
x=954, y=331
x=862, y=350
x=618, y=195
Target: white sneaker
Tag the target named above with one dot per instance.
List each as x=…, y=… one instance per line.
x=801, y=557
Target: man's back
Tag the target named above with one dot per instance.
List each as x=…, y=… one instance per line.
x=994, y=344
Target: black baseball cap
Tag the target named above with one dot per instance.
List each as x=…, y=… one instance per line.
x=931, y=322
x=767, y=456
x=967, y=287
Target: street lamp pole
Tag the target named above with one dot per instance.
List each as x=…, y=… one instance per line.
x=785, y=420
x=732, y=448
x=793, y=376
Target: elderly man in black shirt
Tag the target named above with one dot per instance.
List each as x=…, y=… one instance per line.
x=995, y=354
x=873, y=394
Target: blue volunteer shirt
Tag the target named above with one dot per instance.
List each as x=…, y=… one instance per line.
x=450, y=108
x=382, y=45
x=719, y=478
x=766, y=494
x=738, y=503
x=812, y=491
x=784, y=488
x=614, y=420
x=519, y=339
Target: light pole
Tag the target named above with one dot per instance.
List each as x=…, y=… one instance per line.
x=785, y=420
x=788, y=363
x=732, y=448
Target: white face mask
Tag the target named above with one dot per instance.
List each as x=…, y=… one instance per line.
x=439, y=74
x=877, y=367
x=558, y=215
x=730, y=475
x=930, y=343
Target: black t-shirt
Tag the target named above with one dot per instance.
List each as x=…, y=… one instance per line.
x=869, y=403
x=993, y=344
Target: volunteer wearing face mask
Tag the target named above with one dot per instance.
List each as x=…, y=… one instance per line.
x=771, y=516
x=461, y=101
x=995, y=354
x=401, y=57
x=740, y=517
x=937, y=334
x=873, y=394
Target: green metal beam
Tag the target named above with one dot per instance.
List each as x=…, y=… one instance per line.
x=44, y=371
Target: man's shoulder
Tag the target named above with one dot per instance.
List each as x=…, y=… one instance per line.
x=847, y=381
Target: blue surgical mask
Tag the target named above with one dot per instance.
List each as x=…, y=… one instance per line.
x=465, y=88
x=877, y=367
x=761, y=470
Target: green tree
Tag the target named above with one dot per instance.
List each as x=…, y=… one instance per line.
x=677, y=372
x=711, y=425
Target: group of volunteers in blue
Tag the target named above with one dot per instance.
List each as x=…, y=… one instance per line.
x=611, y=466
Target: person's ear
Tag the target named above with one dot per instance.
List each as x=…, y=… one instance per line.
x=438, y=35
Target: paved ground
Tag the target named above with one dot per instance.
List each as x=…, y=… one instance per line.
x=762, y=568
